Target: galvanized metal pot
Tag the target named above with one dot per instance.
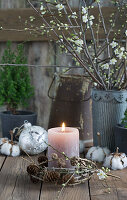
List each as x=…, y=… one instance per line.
x=121, y=138
x=108, y=109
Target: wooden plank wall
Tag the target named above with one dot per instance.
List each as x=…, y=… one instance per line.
x=37, y=53
x=12, y=4
x=13, y=27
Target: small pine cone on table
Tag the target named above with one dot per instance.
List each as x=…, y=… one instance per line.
x=51, y=176
x=33, y=170
x=43, y=161
x=67, y=177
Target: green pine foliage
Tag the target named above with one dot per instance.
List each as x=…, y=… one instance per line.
x=124, y=120
x=15, y=86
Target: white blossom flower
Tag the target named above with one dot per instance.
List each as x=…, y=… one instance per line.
x=101, y=174
x=60, y=6
x=84, y=10
x=113, y=61
x=91, y=23
x=95, y=84
x=120, y=55
x=61, y=39
x=126, y=33
x=92, y=17
x=74, y=15
x=42, y=7
x=79, y=42
x=122, y=49
x=125, y=55
x=32, y=18
x=84, y=18
x=79, y=49
x=105, y=66
x=113, y=44
x=66, y=26
x=116, y=51
x=43, y=12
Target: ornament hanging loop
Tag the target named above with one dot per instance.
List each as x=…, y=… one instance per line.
x=117, y=150
x=20, y=129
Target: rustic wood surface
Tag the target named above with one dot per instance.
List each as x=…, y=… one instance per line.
x=80, y=192
x=14, y=22
x=15, y=184
x=2, y=159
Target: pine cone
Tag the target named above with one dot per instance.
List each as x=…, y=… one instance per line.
x=61, y=162
x=66, y=177
x=33, y=170
x=51, y=176
x=34, y=180
x=74, y=161
x=43, y=160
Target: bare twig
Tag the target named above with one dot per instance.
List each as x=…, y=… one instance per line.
x=64, y=185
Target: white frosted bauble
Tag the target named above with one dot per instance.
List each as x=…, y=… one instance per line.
x=31, y=139
x=116, y=161
x=97, y=153
x=27, y=125
x=9, y=149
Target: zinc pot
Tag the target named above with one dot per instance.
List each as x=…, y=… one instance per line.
x=121, y=138
x=108, y=109
x=10, y=121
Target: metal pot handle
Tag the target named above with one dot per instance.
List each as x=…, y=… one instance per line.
x=53, y=98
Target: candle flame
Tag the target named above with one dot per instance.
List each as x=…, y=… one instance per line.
x=63, y=126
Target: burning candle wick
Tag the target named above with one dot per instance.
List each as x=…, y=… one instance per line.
x=63, y=127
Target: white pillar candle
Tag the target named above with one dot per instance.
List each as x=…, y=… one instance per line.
x=64, y=140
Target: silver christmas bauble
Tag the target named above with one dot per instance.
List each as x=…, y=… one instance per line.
x=33, y=139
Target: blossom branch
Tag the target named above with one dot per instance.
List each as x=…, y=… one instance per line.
x=101, y=70
x=82, y=63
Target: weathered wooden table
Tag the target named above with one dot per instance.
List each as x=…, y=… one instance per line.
x=16, y=185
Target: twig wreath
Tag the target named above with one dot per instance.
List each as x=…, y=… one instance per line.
x=81, y=171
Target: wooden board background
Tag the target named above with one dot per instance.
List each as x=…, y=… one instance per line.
x=14, y=22
x=37, y=53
